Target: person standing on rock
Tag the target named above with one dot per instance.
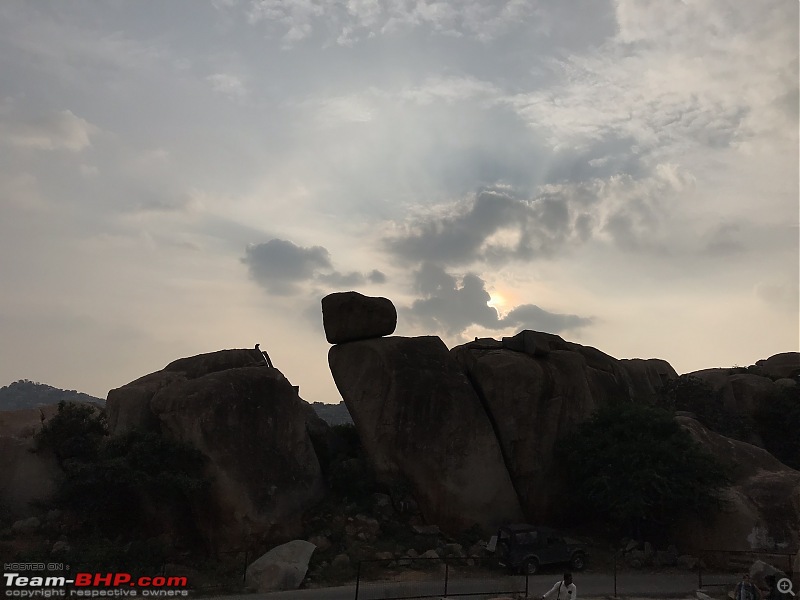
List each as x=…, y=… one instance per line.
x=562, y=590
x=746, y=589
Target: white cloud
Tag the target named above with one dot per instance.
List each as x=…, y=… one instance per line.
x=227, y=84
x=296, y=20
x=55, y=131
x=707, y=73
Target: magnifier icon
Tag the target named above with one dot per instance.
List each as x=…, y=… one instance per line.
x=785, y=586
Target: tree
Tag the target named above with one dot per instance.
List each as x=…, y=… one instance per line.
x=636, y=468
x=74, y=432
x=778, y=424
x=126, y=484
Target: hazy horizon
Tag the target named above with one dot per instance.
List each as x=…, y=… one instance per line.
x=186, y=177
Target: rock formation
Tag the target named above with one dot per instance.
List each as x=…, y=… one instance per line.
x=536, y=388
x=350, y=316
x=491, y=409
x=432, y=420
x=248, y=420
x=785, y=365
x=422, y=424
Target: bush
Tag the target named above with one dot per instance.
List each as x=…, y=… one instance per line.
x=778, y=424
x=350, y=474
x=74, y=432
x=637, y=469
x=130, y=475
x=132, y=484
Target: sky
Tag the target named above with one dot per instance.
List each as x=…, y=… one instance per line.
x=187, y=176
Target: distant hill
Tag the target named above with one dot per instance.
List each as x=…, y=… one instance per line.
x=333, y=414
x=29, y=394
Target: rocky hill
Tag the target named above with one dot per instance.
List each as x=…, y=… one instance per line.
x=333, y=414
x=29, y=394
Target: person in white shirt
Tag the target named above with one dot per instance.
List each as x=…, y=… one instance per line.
x=562, y=590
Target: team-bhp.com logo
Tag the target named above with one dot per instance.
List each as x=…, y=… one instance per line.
x=92, y=585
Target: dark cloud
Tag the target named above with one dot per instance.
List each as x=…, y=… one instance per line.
x=376, y=276
x=280, y=266
x=451, y=306
x=530, y=316
x=495, y=227
x=725, y=241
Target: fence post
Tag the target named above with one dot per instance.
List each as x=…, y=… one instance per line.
x=615, y=574
x=700, y=573
x=358, y=578
x=446, y=575
x=527, y=579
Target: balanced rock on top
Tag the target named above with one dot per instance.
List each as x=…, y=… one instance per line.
x=350, y=316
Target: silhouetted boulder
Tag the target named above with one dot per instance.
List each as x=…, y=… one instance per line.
x=128, y=407
x=248, y=420
x=350, y=316
x=422, y=424
x=778, y=366
x=537, y=388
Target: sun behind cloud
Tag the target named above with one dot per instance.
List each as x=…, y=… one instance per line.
x=498, y=301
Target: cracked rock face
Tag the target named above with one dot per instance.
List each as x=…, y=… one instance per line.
x=537, y=388
x=422, y=424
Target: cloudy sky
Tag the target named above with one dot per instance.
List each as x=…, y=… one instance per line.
x=181, y=177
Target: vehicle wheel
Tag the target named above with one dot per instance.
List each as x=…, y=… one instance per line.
x=578, y=562
x=530, y=566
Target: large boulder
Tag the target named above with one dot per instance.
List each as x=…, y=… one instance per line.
x=761, y=507
x=128, y=407
x=422, y=424
x=249, y=422
x=741, y=397
x=741, y=393
x=350, y=316
x=282, y=568
x=537, y=388
x=779, y=366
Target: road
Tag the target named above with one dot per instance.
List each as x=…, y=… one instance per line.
x=588, y=584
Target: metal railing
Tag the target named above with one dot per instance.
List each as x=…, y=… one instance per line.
x=738, y=562
x=388, y=579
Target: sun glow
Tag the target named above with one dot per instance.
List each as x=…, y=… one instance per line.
x=497, y=301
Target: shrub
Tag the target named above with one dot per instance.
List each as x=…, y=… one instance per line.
x=636, y=468
x=778, y=424
x=130, y=484
x=74, y=432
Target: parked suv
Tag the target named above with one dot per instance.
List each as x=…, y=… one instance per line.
x=525, y=548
